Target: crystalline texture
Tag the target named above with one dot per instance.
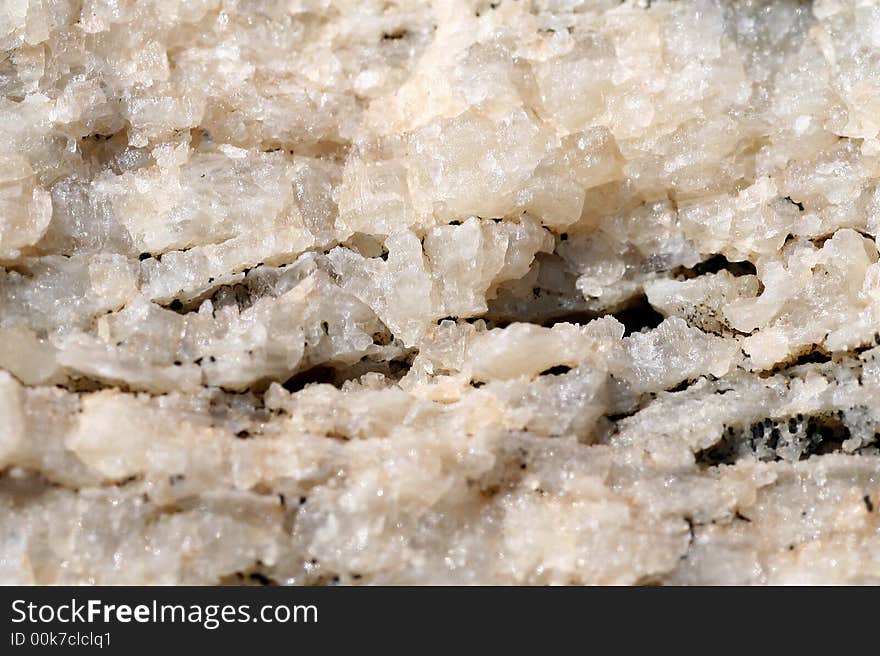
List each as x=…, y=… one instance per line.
x=439, y=292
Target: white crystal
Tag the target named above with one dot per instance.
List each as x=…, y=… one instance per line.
x=455, y=292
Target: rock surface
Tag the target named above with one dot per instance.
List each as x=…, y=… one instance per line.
x=361, y=291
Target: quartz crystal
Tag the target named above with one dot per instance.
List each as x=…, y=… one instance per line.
x=468, y=292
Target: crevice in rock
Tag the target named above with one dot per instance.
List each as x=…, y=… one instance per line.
x=638, y=315
x=773, y=440
x=819, y=240
x=715, y=264
x=317, y=375
x=337, y=374
x=395, y=35
x=103, y=150
x=25, y=485
x=551, y=297
x=558, y=370
x=255, y=282
x=816, y=355
x=797, y=204
x=87, y=384
x=255, y=576
x=242, y=294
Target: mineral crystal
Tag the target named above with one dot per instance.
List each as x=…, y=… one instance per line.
x=382, y=292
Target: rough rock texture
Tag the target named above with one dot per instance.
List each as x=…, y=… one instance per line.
x=362, y=291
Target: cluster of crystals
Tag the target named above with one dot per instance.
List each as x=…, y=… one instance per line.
x=393, y=291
